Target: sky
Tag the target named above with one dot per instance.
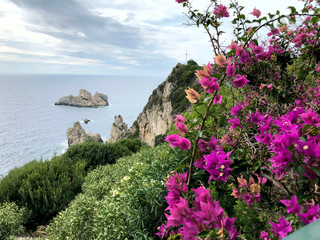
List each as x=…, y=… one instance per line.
x=105, y=37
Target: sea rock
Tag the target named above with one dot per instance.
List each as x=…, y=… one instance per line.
x=76, y=134
x=119, y=129
x=86, y=121
x=84, y=99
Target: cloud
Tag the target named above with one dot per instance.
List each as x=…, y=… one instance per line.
x=100, y=36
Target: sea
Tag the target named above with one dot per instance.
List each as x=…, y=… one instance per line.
x=32, y=127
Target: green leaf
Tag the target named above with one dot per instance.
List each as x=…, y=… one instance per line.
x=203, y=234
x=316, y=170
x=271, y=15
x=182, y=166
x=305, y=128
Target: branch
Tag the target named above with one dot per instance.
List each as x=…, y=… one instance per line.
x=277, y=183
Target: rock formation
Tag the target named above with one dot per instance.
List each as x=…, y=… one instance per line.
x=76, y=134
x=84, y=99
x=119, y=129
x=167, y=100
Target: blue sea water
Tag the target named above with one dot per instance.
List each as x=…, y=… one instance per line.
x=31, y=126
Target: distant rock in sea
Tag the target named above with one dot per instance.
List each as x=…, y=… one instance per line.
x=84, y=100
x=76, y=134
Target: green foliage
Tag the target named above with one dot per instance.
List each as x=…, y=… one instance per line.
x=11, y=220
x=136, y=133
x=123, y=200
x=95, y=154
x=249, y=221
x=159, y=139
x=46, y=187
x=182, y=76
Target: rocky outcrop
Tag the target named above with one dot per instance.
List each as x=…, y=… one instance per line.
x=119, y=129
x=76, y=134
x=167, y=100
x=84, y=99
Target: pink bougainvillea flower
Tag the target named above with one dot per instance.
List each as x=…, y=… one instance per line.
x=311, y=215
x=181, y=127
x=274, y=31
x=217, y=99
x=181, y=1
x=235, y=110
x=210, y=84
x=292, y=205
x=281, y=229
x=240, y=81
x=179, y=118
x=235, y=122
x=203, y=145
x=179, y=212
x=256, y=13
x=213, y=143
x=318, y=67
x=177, y=182
x=221, y=11
x=220, y=60
x=310, y=117
x=233, y=45
x=162, y=231
x=218, y=165
x=257, y=118
x=270, y=87
x=264, y=235
x=230, y=70
x=177, y=141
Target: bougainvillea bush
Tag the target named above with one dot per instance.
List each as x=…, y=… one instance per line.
x=266, y=160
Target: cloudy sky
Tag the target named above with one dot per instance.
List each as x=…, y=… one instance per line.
x=112, y=37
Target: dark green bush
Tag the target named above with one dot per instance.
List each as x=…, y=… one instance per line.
x=11, y=220
x=95, y=154
x=134, y=145
x=46, y=187
x=43, y=187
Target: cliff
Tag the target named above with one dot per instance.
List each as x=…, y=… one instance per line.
x=84, y=99
x=167, y=100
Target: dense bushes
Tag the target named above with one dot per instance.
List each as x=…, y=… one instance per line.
x=96, y=154
x=46, y=187
x=124, y=200
x=11, y=220
x=43, y=187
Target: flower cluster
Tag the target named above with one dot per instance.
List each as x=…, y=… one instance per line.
x=274, y=131
x=249, y=192
x=288, y=144
x=221, y=11
x=206, y=215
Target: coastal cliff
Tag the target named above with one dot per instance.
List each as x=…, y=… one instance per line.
x=84, y=99
x=167, y=100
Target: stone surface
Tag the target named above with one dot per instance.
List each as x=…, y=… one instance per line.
x=156, y=120
x=76, y=134
x=119, y=129
x=84, y=99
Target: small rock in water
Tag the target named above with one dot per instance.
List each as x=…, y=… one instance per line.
x=86, y=121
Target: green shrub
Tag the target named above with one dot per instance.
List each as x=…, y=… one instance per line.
x=124, y=200
x=95, y=154
x=46, y=187
x=11, y=220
